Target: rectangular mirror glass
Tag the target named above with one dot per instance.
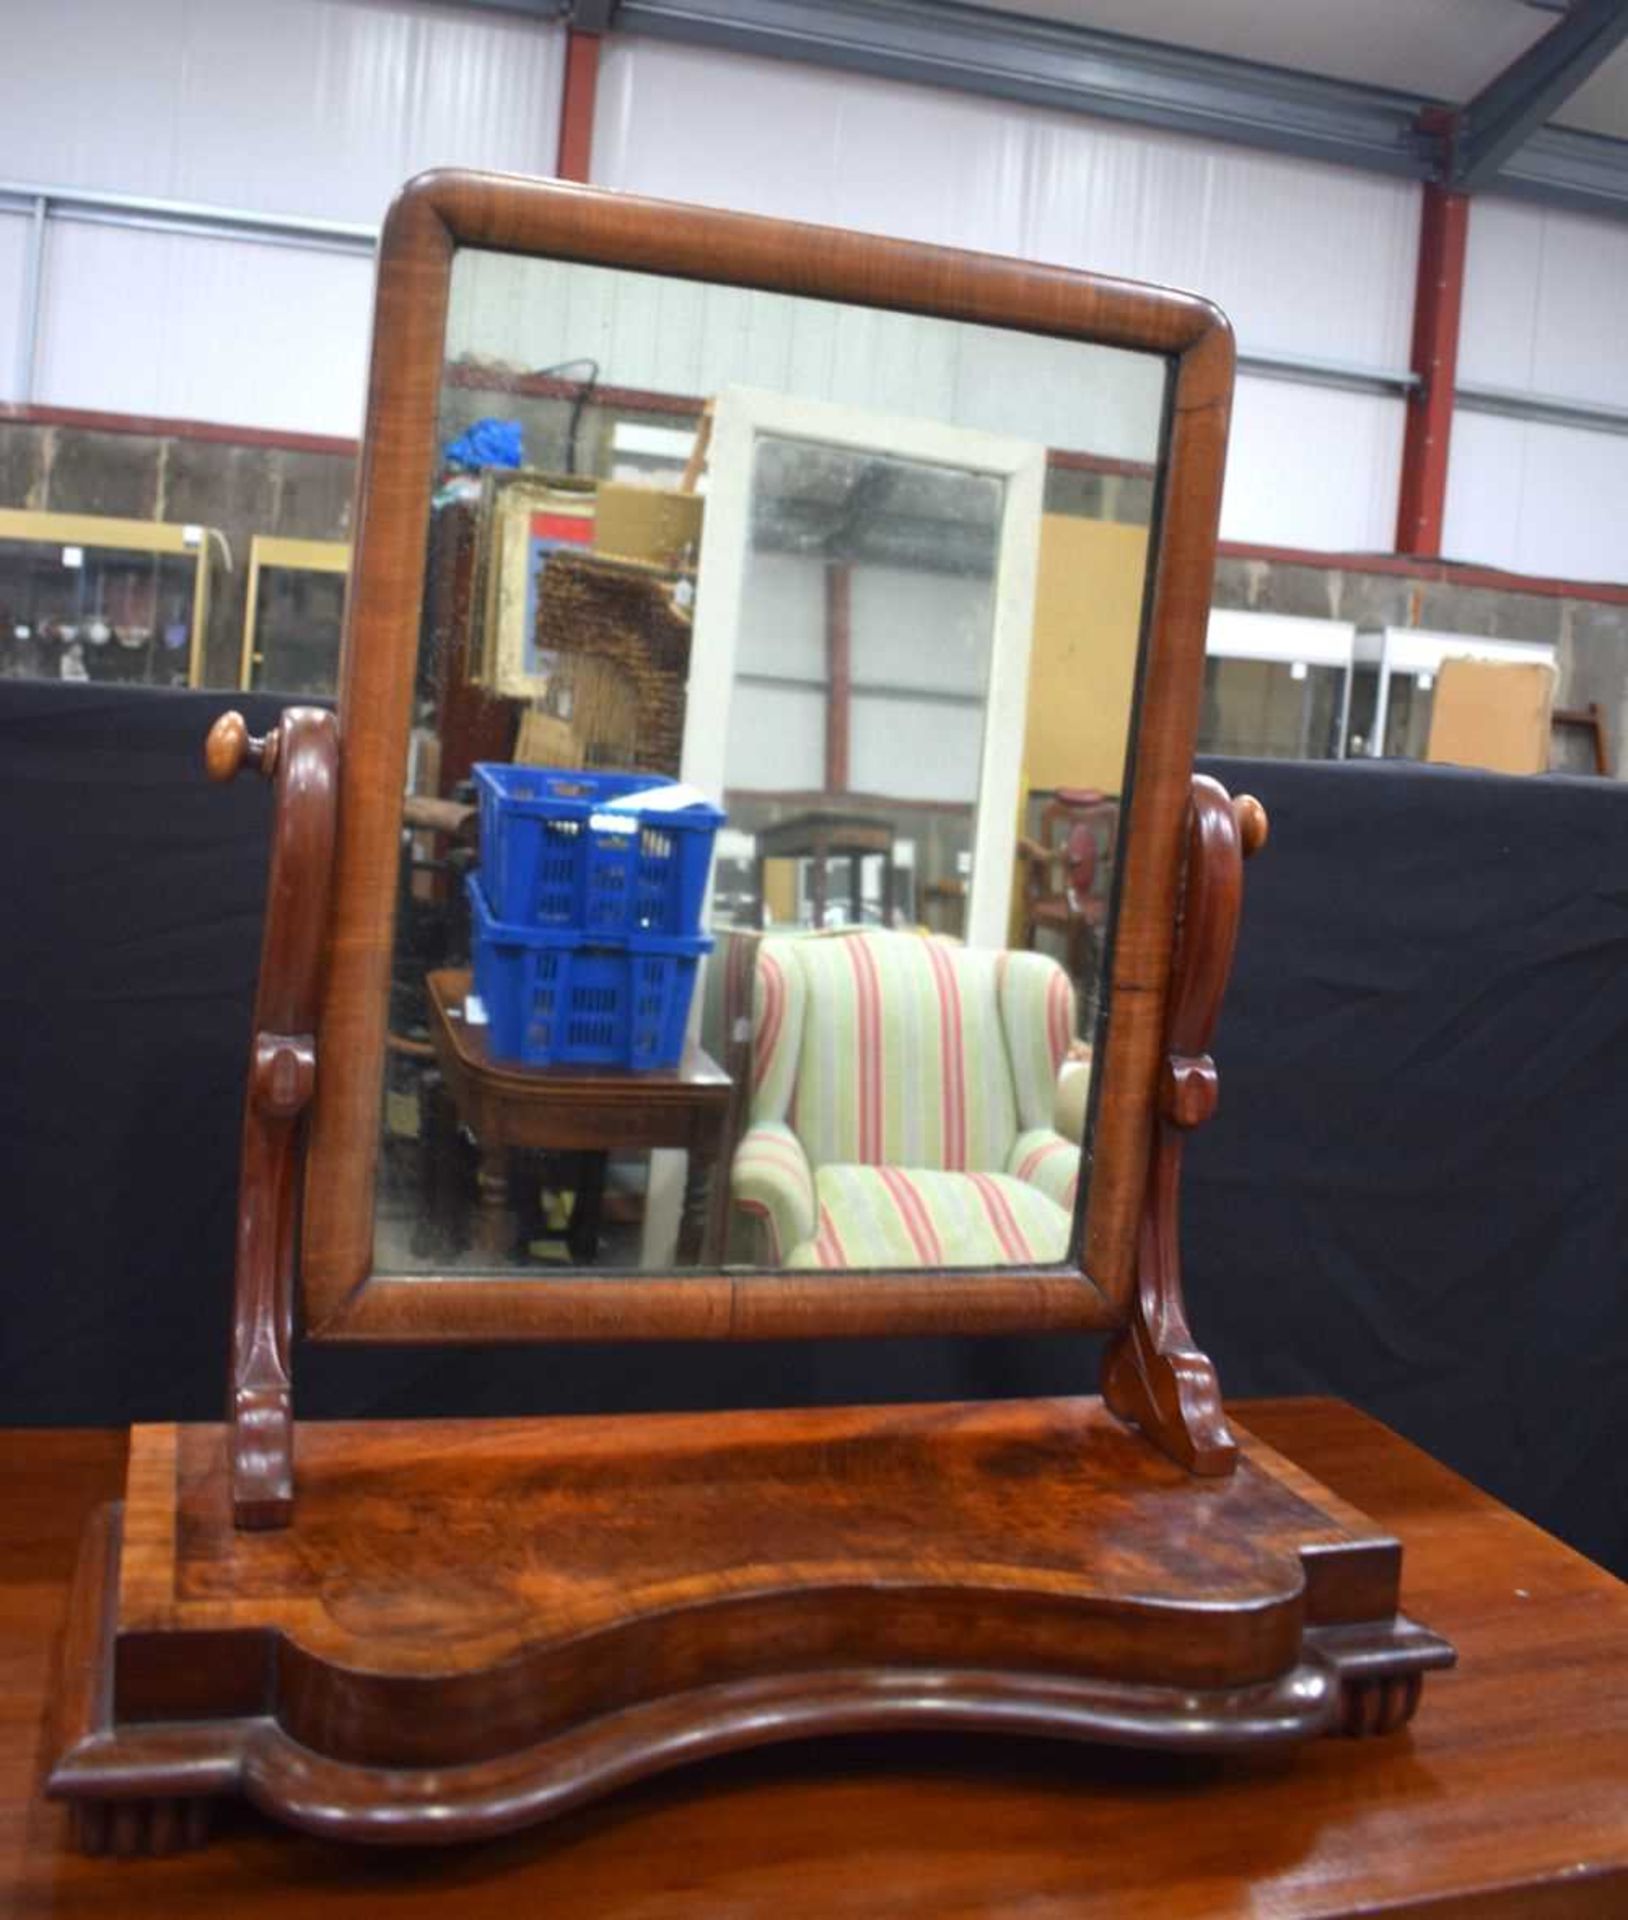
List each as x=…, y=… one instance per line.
x=769, y=748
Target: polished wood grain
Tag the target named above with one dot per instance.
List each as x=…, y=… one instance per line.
x=442, y=212
x=1503, y=1799
x=583, y=1110
x=1153, y=1373
x=301, y=758
x=473, y=1625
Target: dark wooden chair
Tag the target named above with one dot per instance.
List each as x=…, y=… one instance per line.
x=1066, y=883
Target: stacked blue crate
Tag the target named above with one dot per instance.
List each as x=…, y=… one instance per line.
x=586, y=917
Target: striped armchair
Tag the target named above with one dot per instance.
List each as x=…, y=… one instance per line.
x=901, y=1095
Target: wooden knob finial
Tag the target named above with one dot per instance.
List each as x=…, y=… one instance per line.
x=230, y=746
x=1253, y=825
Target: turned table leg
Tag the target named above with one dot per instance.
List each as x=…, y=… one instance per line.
x=697, y=1237
x=587, y=1207
x=494, y=1217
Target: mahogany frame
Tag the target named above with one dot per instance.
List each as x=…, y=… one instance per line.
x=343, y=1299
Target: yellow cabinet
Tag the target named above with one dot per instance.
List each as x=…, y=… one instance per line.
x=293, y=615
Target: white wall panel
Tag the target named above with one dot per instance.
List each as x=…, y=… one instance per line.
x=1309, y=260
x=1537, y=498
x=14, y=229
x=783, y=631
x=1312, y=467
x=689, y=339
x=776, y=740
x=1545, y=294
x=910, y=628
x=313, y=107
x=915, y=750
x=204, y=329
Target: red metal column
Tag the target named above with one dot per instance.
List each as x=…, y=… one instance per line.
x=1437, y=303
x=839, y=650
x=576, y=149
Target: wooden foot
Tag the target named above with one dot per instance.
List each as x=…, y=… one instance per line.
x=1376, y=1706
x=130, y=1828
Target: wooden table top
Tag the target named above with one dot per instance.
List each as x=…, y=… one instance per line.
x=1508, y=1796
x=696, y=1075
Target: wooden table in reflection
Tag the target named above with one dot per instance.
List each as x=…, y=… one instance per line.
x=587, y=1110
x=821, y=838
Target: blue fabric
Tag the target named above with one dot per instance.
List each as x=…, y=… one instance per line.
x=488, y=443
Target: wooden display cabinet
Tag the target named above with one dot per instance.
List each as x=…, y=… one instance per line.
x=129, y=597
x=293, y=614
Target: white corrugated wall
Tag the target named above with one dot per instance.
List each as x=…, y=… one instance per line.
x=318, y=109
x=683, y=337
x=1545, y=314
x=1309, y=261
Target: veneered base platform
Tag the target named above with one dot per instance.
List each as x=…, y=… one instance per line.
x=472, y=1625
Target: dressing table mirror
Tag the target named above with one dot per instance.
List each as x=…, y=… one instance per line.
x=651, y=953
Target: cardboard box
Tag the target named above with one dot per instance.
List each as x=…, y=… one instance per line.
x=1493, y=714
x=657, y=525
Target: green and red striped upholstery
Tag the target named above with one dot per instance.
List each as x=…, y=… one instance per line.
x=901, y=1103
x=1044, y=1159
x=1037, y=1016
x=772, y=1186
x=922, y=1217
x=902, y=1057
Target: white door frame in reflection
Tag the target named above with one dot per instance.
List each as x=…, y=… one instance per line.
x=741, y=415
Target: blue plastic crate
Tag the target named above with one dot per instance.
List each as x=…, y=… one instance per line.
x=561, y=998
x=553, y=856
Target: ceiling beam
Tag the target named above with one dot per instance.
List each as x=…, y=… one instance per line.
x=1490, y=129
x=537, y=9
x=1111, y=76
x=1562, y=166
x=1050, y=64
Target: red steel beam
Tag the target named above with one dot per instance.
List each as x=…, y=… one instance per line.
x=839, y=672
x=89, y=420
x=576, y=150
x=1437, y=304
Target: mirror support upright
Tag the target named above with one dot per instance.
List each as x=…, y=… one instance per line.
x=1152, y=1373
x=301, y=757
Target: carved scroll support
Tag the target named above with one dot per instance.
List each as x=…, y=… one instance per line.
x=301, y=756
x=1153, y=1374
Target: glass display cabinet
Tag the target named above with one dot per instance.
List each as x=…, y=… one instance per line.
x=293, y=610
x=1276, y=686
x=92, y=598
x=1394, y=680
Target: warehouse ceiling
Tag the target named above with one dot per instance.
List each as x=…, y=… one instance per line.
x=1600, y=104
x=1525, y=97
x=1449, y=49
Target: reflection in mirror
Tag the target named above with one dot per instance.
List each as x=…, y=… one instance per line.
x=771, y=716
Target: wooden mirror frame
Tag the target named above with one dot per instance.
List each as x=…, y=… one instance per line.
x=435, y=215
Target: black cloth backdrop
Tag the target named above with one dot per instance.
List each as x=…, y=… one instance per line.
x=1412, y=1195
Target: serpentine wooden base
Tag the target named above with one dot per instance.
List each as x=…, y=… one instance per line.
x=473, y=1625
